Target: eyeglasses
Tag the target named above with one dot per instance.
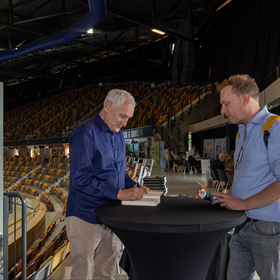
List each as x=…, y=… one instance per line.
x=239, y=158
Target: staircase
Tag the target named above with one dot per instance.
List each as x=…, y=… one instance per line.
x=170, y=139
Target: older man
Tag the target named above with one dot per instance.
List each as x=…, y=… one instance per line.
x=255, y=245
x=98, y=175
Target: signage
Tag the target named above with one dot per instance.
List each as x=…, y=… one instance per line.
x=145, y=131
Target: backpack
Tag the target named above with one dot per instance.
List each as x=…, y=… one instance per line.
x=267, y=126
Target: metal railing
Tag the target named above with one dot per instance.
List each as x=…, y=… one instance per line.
x=8, y=209
x=32, y=212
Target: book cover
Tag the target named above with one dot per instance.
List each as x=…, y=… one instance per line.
x=149, y=199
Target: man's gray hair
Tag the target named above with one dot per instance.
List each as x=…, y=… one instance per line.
x=118, y=97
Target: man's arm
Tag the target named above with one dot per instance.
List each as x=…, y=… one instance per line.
x=268, y=196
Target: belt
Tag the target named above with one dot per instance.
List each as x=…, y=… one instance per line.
x=251, y=220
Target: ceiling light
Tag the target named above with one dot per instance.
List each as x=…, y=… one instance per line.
x=158, y=31
x=90, y=31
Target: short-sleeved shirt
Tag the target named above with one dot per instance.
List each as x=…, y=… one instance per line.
x=259, y=165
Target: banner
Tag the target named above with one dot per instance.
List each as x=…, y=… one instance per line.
x=136, y=149
x=220, y=146
x=208, y=149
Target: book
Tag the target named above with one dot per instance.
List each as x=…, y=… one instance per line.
x=149, y=199
x=157, y=178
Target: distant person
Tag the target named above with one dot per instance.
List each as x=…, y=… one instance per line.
x=167, y=158
x=98, y=175
x=192, y=160
x=229, y=164
x=218, y=164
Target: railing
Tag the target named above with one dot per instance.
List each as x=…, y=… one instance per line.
x=31, y=212
x=8, y=210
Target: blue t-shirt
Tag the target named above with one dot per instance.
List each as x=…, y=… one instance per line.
x=98, y=168
x=259, y=166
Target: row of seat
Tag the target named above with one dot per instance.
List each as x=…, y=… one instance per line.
x=21, y=163
x=60, y=194
x=24, y=159
x=65, y=110
x=57, y=172
x=46, y=199
x=14, y=173
x=17, y=168
x=12, y=179
x=30, y=255
x=60, y=160
x=56, y=165
x=64, y=183
x=39, y=176
x=27, y=189
x=165, y=102
x=45, y=263
x=7, y=185
x=37, y=184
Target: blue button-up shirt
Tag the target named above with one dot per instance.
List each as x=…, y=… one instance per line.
x=98, y=168
x=259, y=166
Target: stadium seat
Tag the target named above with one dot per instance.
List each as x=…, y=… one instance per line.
x=44, y=271
x=49, y=250
x=40, y=259
x=58, y=257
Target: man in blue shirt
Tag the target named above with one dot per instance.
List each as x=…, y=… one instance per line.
x=255, y=245
x=98, y=175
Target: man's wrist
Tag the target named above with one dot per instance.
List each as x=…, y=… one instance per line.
x=245, y=204
x=119, y=194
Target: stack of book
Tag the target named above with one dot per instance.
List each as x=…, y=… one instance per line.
x=157, y=183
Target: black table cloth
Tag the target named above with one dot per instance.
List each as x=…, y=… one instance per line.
x=174, y=240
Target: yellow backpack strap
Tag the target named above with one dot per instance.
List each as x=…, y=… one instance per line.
x=267, y=126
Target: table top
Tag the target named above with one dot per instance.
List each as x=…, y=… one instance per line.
x=173, y=214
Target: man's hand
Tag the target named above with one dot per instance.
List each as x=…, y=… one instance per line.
x=134, y=193
x=145, y=189
x=229, y=202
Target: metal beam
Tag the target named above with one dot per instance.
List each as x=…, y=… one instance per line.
x=5, y=24
x=49, y=16
x=150, y=26
x=207, y=19
x=167, y=12
x=28, y=74
x=119, y=51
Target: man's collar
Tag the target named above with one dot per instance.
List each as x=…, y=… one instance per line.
x=258, y=118
x=100, y=123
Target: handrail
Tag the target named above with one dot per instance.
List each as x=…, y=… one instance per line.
x=7, y=210
x=31, y=212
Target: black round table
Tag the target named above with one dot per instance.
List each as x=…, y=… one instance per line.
x=174, y=240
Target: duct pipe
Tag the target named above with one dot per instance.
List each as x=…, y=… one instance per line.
x=96, y=14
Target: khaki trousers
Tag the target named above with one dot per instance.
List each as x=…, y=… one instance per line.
x=92, y=243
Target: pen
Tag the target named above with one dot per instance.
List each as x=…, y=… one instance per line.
x=138, y=185
x=201, y=185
